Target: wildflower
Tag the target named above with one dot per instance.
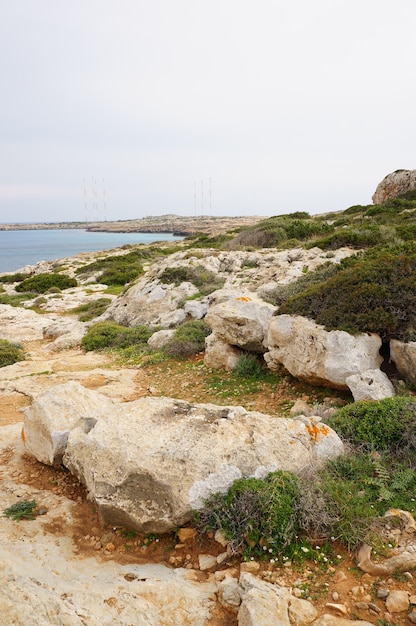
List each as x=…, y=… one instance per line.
x=304, y=549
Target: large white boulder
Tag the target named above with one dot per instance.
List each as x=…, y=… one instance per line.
x=50, y=418
x=317, y=356
x=149, y=463
x=241, y=321
x=404, y=357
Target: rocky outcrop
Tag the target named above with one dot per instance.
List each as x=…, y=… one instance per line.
x=403, y=356
x=241, y=321
x=317, y=356
x=149, y=463
x=370, y=385
x=395, y=184
x=151, y=303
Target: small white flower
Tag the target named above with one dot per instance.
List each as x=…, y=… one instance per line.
x=304, y=549
x=325, y=559
x=270, y=550
x=339, y=556
x=317, y=547
x=264, y=547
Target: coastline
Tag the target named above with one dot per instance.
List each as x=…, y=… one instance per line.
x=174, y=224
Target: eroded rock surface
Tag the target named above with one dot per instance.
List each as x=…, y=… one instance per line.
x=149, y=463
x=394, y=184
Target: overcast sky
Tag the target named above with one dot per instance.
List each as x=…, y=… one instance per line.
x=273, y=106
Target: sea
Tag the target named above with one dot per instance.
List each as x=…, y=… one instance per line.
x=26, y=247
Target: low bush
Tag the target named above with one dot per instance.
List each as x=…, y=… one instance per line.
x=255, y=512
x=198, y=275
x=41, y=283
x=189, y=338
x=10, y=353
x=373, y=292
x=13, y=278
x=92, y=309
x=388, y=425
x=280, y=229
x=111, y=335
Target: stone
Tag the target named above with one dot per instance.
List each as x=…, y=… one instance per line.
x=397, y=601
x=241, y=321
x=220, y=355
x=149, y=463
x=262, y=603
x=317, y=356
x=301, y=612
x=197, y=309
x=186, y=534
x=370, y=385
x=160, y=338
x=412, y=617
x=50, y=418
x=206, y=561
x=229, y=593
x=341, y=609
x=403, y=356
x=394, y=184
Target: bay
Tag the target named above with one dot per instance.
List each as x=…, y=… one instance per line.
x=26, y=247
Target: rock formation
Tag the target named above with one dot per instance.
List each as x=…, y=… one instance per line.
x=148, y=464
x=395, y=184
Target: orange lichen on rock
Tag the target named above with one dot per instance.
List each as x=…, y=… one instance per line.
x=22, y=434
x=244, y=299
x=315, y=430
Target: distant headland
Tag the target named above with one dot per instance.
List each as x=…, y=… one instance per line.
x=174, y=224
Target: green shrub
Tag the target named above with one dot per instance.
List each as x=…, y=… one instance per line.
x=41, y=283
x=255, y=511
x=387, y=425
x=13, y=278
x=278, y=230
x=373, y=292
x=111, y=335
x=248, y=366
x=189, y=338
x=198, y=275
x=24, y=509
x=10, y=353
x=92, y=309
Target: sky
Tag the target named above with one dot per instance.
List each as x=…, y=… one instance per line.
x=121, y=109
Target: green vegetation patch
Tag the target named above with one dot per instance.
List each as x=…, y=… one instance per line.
x=91, y=310
x=41, y=283
x=13, y=278
x=25, y=509
x=122, y=269
x=198, y=275
x=280, y=229
x=373, y=292
x=189, y=338
x=10, y=353
x=255, y=512
x=111, y=335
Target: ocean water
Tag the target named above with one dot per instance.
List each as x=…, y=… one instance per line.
x=26, y=247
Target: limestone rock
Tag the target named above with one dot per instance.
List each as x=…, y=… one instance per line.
x=397, y=601
x=262, y=603
x=48, y=421
x=404, y=357
x=370, y=385
x=301, y=612
x=220, y=355
x=229, y=593
x=160, y=338
x=317, y=356
x=150, y=302
x=150, y=462
x=17, y=324
x=241, y=321
x=394, y=184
